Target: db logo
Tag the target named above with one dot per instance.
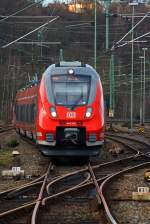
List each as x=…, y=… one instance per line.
x=71, y=114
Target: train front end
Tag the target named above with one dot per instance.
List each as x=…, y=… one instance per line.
x=70, y=110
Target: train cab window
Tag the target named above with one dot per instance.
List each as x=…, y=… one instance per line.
x=71, y=90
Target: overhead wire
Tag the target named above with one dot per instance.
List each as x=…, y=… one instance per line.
x=130, y=31
x=27, y=34
x=21, y=10
x=131, y=41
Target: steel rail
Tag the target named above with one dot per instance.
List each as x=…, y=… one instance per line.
x=5, y=130
x=100, y=199
x=110, y=217
x=14, y=210
x=80, y=187
x=125, y=144
x=54, y=182
x=11, y=192
x=95, y=167
x=6, y=125
x=22, y=187
x=114, y=137
x=15, y=190
x=75, y=188
x=36, y=181
x=72, y=189
x=63, y=177
x=30, y=205
x=40, y=196
x=128, y=138
x=95, y=182
x=15, y=193
x=90, y=183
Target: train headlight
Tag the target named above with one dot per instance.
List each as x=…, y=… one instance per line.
x=88, y=112
x=71, y=71
x=53, y=112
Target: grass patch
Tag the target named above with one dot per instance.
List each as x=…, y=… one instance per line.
x=13, y=143
x=5, y=157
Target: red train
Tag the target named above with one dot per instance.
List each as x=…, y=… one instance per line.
x=64, y=113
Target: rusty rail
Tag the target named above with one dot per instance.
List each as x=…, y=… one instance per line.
x=40, y=197
x=110, y=217
x=80, y=186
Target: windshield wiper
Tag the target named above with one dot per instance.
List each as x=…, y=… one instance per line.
x=76, y=102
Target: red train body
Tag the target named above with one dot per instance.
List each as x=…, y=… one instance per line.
x=64, y=113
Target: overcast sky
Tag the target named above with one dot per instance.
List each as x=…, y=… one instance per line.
x=48, y=1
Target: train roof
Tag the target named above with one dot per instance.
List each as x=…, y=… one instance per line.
x=62, y=68
x=78, y=67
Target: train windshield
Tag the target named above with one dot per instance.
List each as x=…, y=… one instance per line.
x=70, y=90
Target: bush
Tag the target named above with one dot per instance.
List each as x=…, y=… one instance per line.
x=6, y=157
x=13, y=143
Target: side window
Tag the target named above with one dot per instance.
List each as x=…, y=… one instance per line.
x=35, y=108
x=15, y=111
x=23, y=113
x=18, y=113
x=23, y=118
x=27, y=113
x=32, y=113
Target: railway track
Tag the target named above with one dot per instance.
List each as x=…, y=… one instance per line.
x=5, y=128
x=105, y=185
x=72, y=189
x=141, y=147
